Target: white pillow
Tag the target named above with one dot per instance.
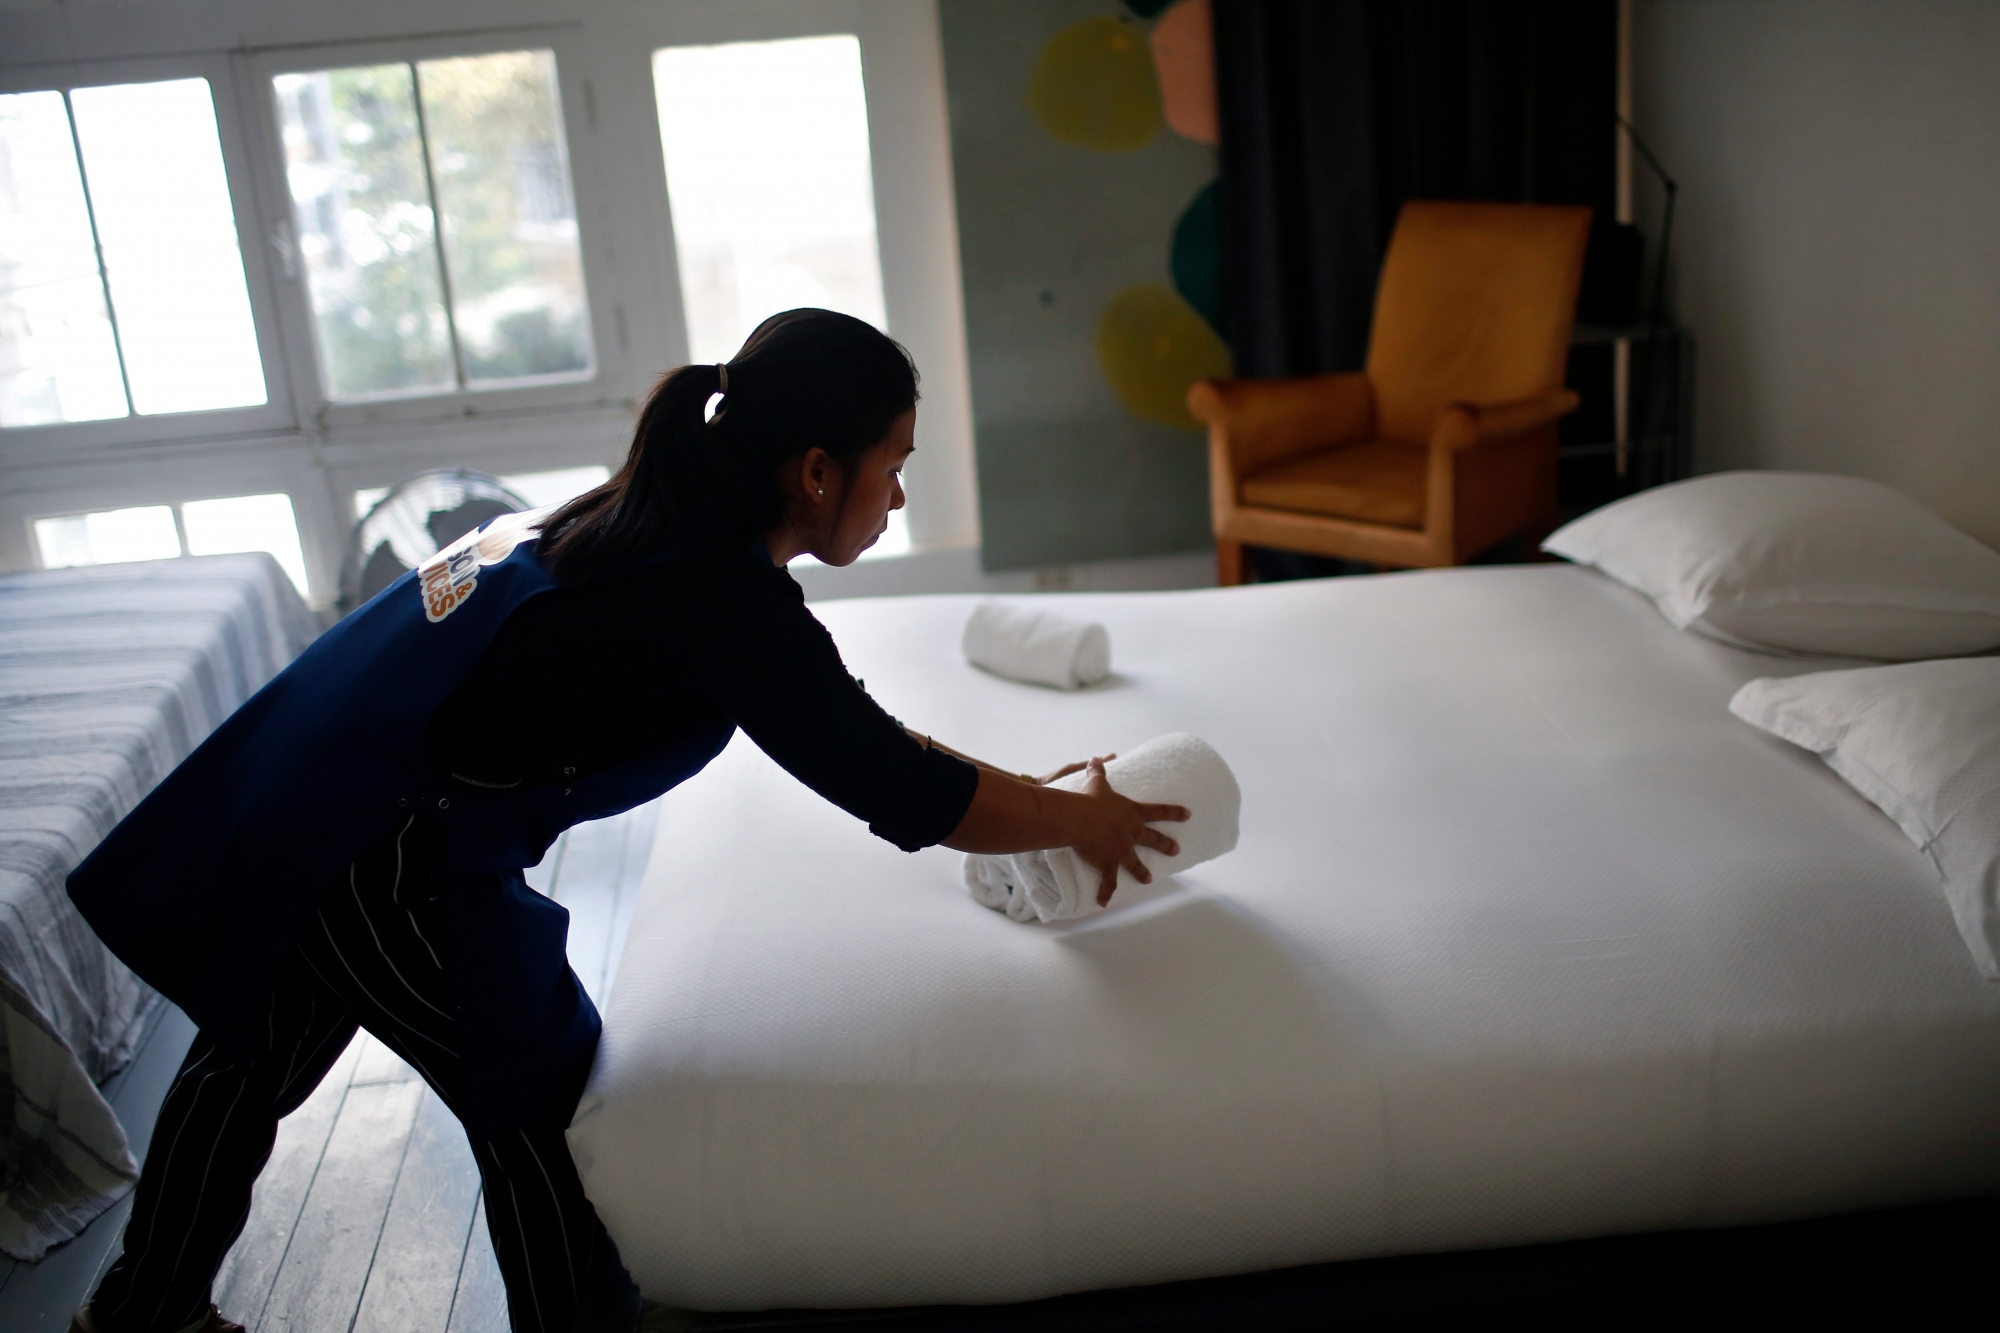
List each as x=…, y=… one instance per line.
x=1798, y=562
x=1922, y=741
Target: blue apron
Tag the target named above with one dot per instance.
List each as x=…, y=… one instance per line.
x=204, y=889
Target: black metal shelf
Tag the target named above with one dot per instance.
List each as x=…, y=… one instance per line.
x=1592, y=468
x=1598, y=335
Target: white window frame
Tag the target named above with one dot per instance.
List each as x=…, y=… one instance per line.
x=602, y=386
x=63, y=439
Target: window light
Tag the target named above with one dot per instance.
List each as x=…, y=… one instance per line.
x=436, y=221
x=167, y=229
x=121, y=280
x=894, y=541
x=247, y=523
x=213, y=527
x=110, y=537
x=769, y=182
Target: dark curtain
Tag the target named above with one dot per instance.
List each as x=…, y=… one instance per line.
x=1333, y=112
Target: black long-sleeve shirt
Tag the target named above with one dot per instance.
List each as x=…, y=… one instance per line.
x=581, y=678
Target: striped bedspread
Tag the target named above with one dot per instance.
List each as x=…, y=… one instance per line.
x=109, y=676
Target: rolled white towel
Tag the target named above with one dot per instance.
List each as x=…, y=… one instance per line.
x=1056, y=885
x=1031, y=644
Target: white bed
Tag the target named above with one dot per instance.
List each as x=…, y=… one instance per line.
x=1526, y=938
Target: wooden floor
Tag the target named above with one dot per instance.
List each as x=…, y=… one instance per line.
x=368, y=1217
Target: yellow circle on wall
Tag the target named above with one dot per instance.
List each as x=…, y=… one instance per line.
x=1093, y=86
x=1153, y=348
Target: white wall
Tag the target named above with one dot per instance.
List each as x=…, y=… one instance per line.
x=1838, y=246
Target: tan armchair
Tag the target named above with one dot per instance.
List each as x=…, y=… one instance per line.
x=1446, y=443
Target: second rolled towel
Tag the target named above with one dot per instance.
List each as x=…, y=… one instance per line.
x=1056, y=885
x=1028, y=643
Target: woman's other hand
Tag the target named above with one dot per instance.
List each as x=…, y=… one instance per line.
x=1009, y=814
x=1067, y=769
x=1116, y=828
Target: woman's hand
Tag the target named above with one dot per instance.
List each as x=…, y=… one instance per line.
x=1116, y=828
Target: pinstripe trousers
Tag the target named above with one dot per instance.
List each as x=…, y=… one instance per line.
x=370, y=959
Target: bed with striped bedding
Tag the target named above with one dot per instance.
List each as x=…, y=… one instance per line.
x=109, y=677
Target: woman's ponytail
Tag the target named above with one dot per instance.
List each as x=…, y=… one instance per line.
x=659, y=485
x=804, y=379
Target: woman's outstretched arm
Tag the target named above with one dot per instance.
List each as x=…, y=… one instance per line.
x=773, y=668
x=1107, y=830
x=933, y=743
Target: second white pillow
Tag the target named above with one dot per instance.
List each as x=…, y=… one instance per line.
x=1922, y=741
x=1798, y=562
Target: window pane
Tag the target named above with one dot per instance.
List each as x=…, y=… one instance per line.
x=168, y=229
x=768, y=176
x=895, y=539
x=355, y=163
x=58, y=361
x=503, y=191
x=247, y=523
x=108, y=538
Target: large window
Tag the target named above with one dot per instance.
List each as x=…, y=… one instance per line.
x=246, y=279
x=122, y=289
x=437, y=223
x=770, y=184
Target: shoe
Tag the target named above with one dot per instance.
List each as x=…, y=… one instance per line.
x=212, y=1322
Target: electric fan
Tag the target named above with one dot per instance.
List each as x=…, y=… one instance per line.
x=413, y=522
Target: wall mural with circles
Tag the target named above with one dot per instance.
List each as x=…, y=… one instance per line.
x=1083, y=147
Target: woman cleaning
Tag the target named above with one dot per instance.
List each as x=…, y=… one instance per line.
x=346, y=850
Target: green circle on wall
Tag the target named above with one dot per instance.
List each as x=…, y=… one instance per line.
x=1153, y=348
x=1093, y=86
x=1196, y=257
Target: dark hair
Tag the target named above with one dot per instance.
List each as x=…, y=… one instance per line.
x=803, y=378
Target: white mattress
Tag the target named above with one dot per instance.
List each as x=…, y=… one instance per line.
x=1526, y=938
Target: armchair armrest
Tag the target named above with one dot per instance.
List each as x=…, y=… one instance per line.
x=1463, y=425
x=1260, y=422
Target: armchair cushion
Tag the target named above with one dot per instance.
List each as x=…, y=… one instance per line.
x=1378, y=481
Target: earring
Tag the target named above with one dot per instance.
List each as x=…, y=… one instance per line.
x=822, y=492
